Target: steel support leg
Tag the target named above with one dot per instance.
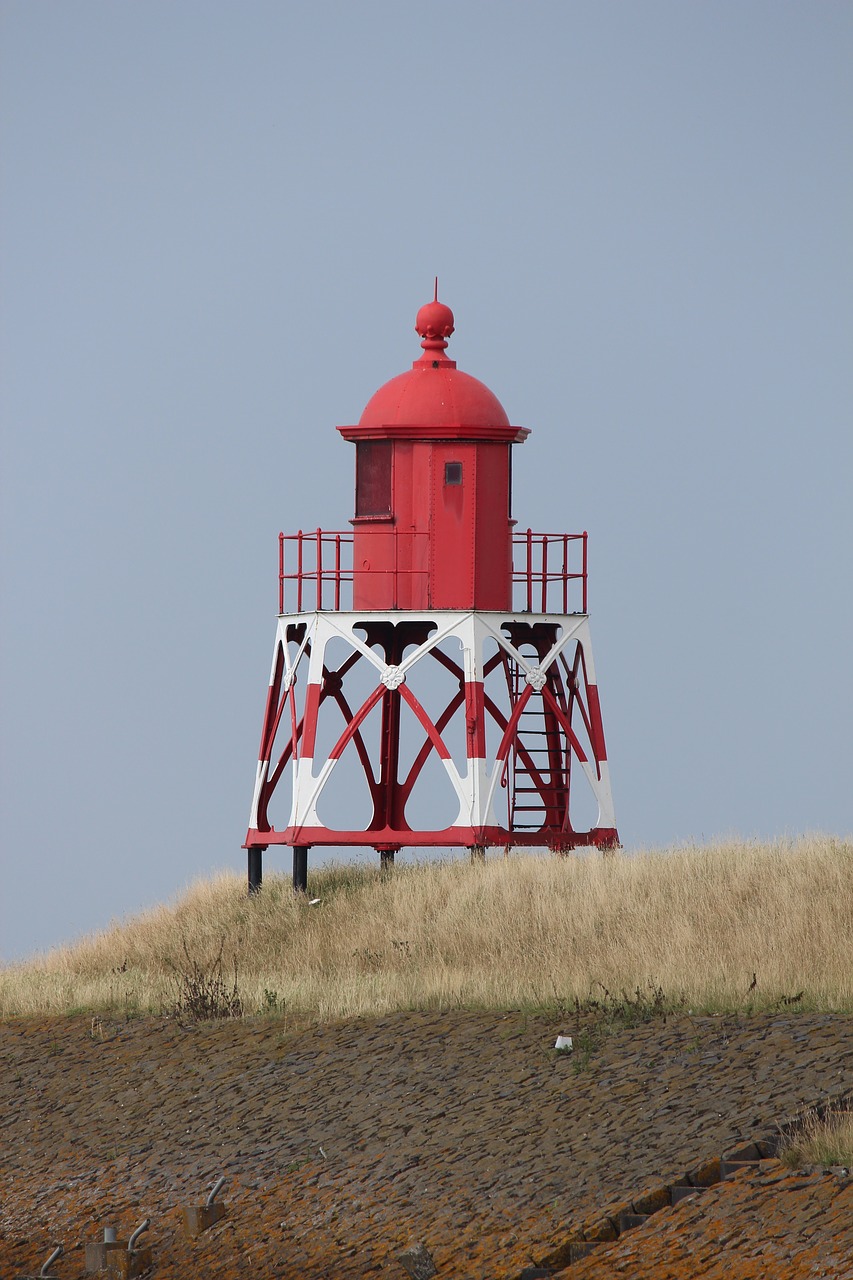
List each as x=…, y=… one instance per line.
x=300, y=868
x=478, y=853
x=386, y=859
x=255, y=868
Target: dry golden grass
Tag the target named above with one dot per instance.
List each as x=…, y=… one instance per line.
x=823, y=1140
x=523, y=931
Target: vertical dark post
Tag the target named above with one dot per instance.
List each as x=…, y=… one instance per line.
x=300, y=868
x=389, y=739
x=255, y=868
x=386, y=859
x=478, y=853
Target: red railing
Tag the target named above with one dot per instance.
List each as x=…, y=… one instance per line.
x=544, y=571
x=322, y=559
x=320, y=574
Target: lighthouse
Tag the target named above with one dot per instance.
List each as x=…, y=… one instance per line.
x=432, y=681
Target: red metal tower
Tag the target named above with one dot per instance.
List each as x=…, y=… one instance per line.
x=432, y=655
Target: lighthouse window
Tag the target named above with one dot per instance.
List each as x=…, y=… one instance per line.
x=453, y=473
x=373, y=478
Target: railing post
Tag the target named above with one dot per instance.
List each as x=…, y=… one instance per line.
x=585, y=610
x=512, y=569
x=565, y=573
x=281, y=573
x=529, y=570
x=349, y=541
x=299, y=572
x=544, y=573
x=337, y=572
x=319, y=568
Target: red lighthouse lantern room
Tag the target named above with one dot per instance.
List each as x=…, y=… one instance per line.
x=432, y=679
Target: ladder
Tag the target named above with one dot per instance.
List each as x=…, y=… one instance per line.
x=539, y=757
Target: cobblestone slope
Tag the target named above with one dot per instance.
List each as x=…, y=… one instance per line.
x=343, y=1144
x=769, y=1225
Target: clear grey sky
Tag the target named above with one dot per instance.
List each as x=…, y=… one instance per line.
x=218, y=221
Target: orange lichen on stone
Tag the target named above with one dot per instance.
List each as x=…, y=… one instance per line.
x=754, y=1227
x=345, y=1144
x=706, y=1174
x=652, y=1201
x=601, y=1229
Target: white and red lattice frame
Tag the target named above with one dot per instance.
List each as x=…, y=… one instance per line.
x=516, y=728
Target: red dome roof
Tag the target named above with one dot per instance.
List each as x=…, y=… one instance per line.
x=434, y=393
x=434, y=397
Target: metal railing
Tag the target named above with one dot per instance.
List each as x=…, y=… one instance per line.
x=315, y=570
x=309, y=547
x=546, y=570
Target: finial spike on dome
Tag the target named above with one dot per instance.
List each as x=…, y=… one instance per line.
x=434, y=323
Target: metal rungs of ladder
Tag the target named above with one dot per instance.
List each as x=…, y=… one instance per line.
x=541, y=743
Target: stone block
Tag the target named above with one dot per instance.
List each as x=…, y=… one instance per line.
x=728, y=1168
x=96, y=1254
x=652, y=1200
x=127, y=1266
x=560, y=1256
x=583, y=1250
x=613, y=1211
x=706, y=1174
x=601, y=1229
x=417, y=1262
x=682, y=1192
x=627, y=1221
x=748, y=1151
x=201, y=1218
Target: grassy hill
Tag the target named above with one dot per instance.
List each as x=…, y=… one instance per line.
x=731, y=926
